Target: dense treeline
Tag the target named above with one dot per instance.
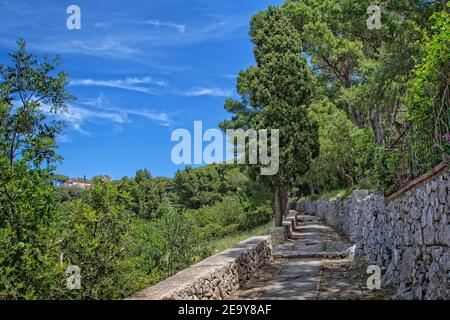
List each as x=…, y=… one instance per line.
x=380, y=96
x=392, y=83
x=130, y=233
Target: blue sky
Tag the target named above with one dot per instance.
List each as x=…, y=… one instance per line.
x=139, y=70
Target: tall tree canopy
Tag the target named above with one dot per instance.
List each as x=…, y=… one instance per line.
x=275, y=94
x=29, y=89
x=368, y=72
x=362, y=70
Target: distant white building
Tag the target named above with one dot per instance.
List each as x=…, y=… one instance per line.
x=77, y=183
x=83, y=183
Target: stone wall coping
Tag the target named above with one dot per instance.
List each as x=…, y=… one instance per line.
x=196, y=273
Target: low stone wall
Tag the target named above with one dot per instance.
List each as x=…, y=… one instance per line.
x=288, y=226
x=279, y=235
x=408, y=237
x=306, y=206
x=215, y=278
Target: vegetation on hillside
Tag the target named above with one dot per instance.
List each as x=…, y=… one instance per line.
x=123, y=235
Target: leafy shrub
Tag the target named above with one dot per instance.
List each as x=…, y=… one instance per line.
x=226, y=212
x=142, y=262
x=65, y=194
x=344, y=148
x=428, y=97
x=93, y=231
x=216, y=231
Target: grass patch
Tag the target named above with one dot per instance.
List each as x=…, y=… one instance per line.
x=220, y=245
x=338, y=193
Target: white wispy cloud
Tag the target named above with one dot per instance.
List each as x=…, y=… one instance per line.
x=159, y=117
x=99, y=110
x=229, y=76
x=107, y=45
x=120, y=34
x=151, y=39
x=111, y=46
x=181, y=28
x=204, y=91
x=76, y=116
x=132, y=84
x=102, y=103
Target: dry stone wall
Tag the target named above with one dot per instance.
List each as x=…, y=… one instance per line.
x=408, y=237
x=216, y=277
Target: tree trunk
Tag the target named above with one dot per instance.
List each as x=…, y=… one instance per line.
x=281, y=205
x=375, y=120
x=356, y=117
x=286, y=196
x=355, y=114
x=285, y=201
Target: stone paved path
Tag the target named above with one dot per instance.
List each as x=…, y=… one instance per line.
x=311, y=265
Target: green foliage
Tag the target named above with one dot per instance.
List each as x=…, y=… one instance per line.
x=382, y=79
x=204, y=186
x=274, y=94
x=182, y=244
x=65, y=194
x=346, y=54
x=428, y=97
x=228, y=241
x=199, y=187
x=299, y=142
x=258, y=207
x=281, y=74
x=234, y=213
x=381, y=168
x=144, y=253
x=336, y=193
x=339, y=149
x=92, y=232
x=146, y=193
x=224, y=213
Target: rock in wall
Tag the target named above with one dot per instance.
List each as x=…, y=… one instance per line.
x=408, y=237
